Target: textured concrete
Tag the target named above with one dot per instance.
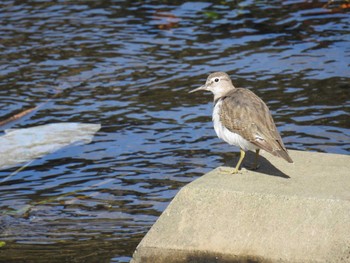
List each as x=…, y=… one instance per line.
x=281, y=213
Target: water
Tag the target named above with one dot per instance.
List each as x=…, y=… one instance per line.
x=129, y=65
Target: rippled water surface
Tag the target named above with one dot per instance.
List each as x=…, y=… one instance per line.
x=128, y=65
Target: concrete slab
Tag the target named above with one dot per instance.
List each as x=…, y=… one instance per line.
x=280, y=213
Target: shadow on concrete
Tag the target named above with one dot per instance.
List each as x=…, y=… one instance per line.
x=188, y=256
x=265, y=167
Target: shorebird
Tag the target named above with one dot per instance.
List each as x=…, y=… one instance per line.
x=242, y=119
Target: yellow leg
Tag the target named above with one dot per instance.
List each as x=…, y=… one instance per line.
x=239, y=161
x=256, y=166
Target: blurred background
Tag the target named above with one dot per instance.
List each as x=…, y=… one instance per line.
x=128, y=65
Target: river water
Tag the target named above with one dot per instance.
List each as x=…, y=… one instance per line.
x=128, y=65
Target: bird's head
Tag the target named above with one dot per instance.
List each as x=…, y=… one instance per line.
x=219, y=83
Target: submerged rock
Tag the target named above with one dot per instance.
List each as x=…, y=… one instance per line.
x=23, y=145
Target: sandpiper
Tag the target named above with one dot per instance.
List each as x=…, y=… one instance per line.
x=242, y=119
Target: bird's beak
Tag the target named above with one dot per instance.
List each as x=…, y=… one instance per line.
x=204, y=87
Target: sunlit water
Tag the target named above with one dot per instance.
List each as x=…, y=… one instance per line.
x=129, y=65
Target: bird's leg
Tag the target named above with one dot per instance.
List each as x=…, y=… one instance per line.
x=239, y=161
x=255, y=165
x=229, y=171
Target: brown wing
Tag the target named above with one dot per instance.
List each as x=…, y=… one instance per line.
x=245, y=113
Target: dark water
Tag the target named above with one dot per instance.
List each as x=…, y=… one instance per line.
x=129, y=65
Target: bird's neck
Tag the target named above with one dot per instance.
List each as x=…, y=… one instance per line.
x=216, y=101
x=221, y=94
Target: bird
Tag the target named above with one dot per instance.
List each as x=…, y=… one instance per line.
x=243, y=119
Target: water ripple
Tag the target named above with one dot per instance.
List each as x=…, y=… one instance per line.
x=129, y=66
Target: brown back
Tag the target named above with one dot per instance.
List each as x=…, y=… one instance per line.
x=244, y=113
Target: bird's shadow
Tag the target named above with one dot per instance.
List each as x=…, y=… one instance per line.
x=265, y=167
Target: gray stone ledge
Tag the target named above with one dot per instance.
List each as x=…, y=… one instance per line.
x=280, y=213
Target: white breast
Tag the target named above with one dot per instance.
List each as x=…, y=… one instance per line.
x=228, y=136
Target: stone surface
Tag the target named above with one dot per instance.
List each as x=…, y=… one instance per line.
x=280, y=213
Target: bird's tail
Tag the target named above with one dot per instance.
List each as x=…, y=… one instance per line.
x=284, y=154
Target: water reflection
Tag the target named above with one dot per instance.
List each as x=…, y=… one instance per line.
x=129, y=66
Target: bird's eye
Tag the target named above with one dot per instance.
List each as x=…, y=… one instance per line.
x=216, y=80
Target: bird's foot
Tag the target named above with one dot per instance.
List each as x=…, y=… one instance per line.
x=229, y=170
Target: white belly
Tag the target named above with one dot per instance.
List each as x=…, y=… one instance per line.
x=228, y=136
